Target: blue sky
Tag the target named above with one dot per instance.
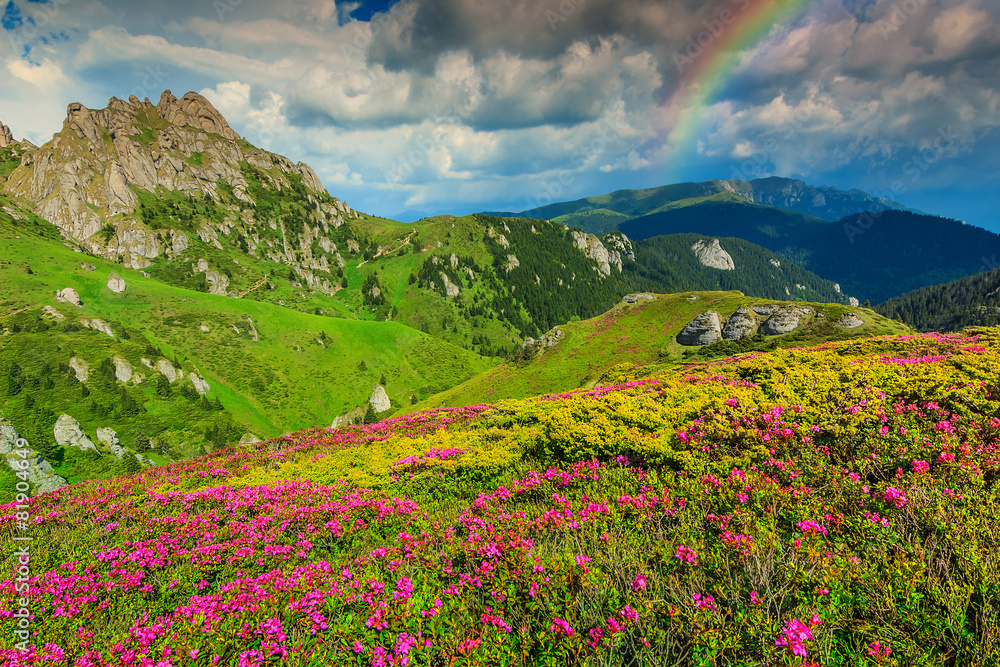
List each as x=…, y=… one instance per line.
x=465, y=105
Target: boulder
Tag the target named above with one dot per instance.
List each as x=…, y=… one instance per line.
x=116, y=283
x=249, y=439
x=168, y=370
x=712, y=255
x=123, y=369
x=781, y=322
x=80, y=368
x=87, y=266
x=200, y=385
x=849, y=321
x=702, y=330
x=450, y=288
x=53, y=313
x=98, y=325
x=70, y=296
x=68, y=433
x=379, y=400
x=8, y=436
x=110, y=438
x=765, y=309
x=635, y=298
x=39, y=472
x=740, y=324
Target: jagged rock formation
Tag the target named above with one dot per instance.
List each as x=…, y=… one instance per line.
x=379, y=400
x=39, y=471
x=98, y=325
x=702, y=330
x=80, y=368
x=110, y=438
x=70, y=296
x=592, y=247
x=781, y=322
x=713, y=256
x=6, y=138
x=549, y=339
x=116, y=283
x=68, y=433
x=450, y=288
x=740, y=324
x=199, y=383
x=849, y=321
x=95, y=166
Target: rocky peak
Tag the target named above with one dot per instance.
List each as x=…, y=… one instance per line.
x=196, y=111
x=592, y=247
x=6, y=138
x=90, y=171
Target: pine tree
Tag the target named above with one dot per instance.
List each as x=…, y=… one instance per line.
x=163, y=389
x=370, y=416
x=382, y=380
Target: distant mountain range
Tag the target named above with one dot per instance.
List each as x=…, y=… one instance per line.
x=874, y=248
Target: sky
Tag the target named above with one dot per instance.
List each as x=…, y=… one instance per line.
x=431, y=106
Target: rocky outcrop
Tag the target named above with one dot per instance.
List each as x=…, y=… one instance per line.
x=511, y=263
x=199, y=383
x=70, y=296
x=80, y=368
x=713, y=256
x=702, y=330
x=6, y=137
x=110, y=438
x=549, y=339
x=379, y=400
x=39, y=471
x=248, y=439
x=781, y=322
x=168, y=370
x=98, y=325
x=53, y=313
x=740, y=324
x=635, y=298
x=123, y=370
x=765, y=309
x=854, y=302
x=68, y=433
x=592, y=247
x=849, y=321
x=90, y=171
x=116, y=283
x=450, y=288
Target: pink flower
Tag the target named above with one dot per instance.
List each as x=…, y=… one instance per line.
x=876, y=650
x=920, y=467
x=754, y=598
x=896, y=497
x=704, y=601
x=559, y=626
x=639, y=583
x=793, y=636
x=687, y=555
x=358, y=647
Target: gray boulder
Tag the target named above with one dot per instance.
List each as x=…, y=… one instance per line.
x=116, y=283
x=765, y=310
x=712, y=255
x=79, y=367
x=38, y=470
x=68, y=433
x=849, y=321
x=70, y=296
x=123, y=369
x=702, y=330
x=379, y=400
x=739, y=325
x=781, y=322
x=110, y=438
x=635, y=298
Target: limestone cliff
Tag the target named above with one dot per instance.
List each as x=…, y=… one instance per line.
x=6, y=138
x=88, y=178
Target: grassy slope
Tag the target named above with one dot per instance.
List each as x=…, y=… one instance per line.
x=639, y=334
x=270, y=385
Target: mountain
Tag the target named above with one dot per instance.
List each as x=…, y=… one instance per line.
x=600, y=214
x=822, y=505
x=878, y=251
x=643, y=330
x=950, y=307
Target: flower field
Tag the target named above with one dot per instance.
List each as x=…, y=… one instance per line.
x=829, y=506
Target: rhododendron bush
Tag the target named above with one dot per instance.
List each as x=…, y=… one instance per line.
x=828, y=506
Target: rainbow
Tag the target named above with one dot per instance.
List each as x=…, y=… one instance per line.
x=707, y=61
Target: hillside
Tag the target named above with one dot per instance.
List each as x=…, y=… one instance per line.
x=760, y=510
x=642, y=333
x=950, y=307
x=875, y=250
x=272, y=369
